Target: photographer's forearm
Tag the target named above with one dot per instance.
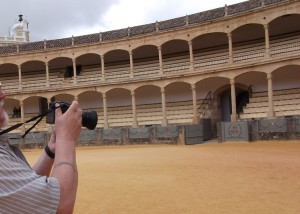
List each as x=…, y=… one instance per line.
x=67, y=129
x=43, y=165
x=65, y=171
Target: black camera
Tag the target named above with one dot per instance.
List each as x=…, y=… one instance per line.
x=89, y=119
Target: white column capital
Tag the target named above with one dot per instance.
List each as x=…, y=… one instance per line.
x=266, y=26
x=193, y=86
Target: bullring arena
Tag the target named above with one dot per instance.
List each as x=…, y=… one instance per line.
x=209, y=178
x=196, y=114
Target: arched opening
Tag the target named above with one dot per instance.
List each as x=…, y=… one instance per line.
x=242, y=97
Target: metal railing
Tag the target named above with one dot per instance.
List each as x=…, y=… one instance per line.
x=204, y=103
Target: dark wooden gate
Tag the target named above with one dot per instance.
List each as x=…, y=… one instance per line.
x=193, y=134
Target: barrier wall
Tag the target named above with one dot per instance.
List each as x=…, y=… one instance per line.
x=234, y=131
x=247, y=130
x=173, y=134
x=286, y=128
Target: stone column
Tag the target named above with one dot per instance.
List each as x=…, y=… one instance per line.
x=230, y=47
x=271, y=113
x=74, y=71
x=131, y=64
x=234, y=115
x=20, y=76
x=134, y=122
x=195, y=110
x=191, y=56
x=102, y=67
x=47, y=74
x=267, y=40
x=164, y=111
x=22, y=117
x=161, y=70
x=105, y=122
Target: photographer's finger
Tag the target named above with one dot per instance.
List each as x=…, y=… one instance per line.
x=75, y=108
x=58, y=112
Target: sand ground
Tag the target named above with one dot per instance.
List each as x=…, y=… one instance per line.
x=260, y=178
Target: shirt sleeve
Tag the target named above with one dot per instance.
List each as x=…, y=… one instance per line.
x=23, y=191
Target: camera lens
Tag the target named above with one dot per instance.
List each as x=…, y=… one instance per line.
x=89, y=119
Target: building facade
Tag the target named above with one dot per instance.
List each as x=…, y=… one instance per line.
x=236, y=62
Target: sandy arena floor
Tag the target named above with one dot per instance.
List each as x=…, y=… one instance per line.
x=210, y=178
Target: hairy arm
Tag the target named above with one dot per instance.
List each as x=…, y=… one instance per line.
x=67, y=128
x=44, y=164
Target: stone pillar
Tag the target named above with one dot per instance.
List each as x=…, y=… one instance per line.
x=131, y=64
x=102, y=67
x=161, y=70
x=271, y=113
x=74, y=71
x=22, y=117
x=267, y=41
x=234, y=115
x=164, y=111
x=20, y=76
x=47, y=74
x=134, y=122
x=195, y=109
x=105, y=122
x=230, y=47
x=191, y=56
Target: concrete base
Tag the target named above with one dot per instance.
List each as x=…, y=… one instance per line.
x=234, y=117
x=196, y=120
x=164, y=122
x=271, y=114
x=134, y=124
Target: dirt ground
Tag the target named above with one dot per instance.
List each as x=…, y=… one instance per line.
x=261, y=177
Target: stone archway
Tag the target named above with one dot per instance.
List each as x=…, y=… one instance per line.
x=223, y=99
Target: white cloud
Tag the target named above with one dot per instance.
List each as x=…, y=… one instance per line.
x=58, y=19
x=135, y=12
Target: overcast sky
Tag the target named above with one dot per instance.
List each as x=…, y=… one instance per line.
x=54, y=19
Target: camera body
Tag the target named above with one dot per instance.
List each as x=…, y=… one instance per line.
x=50, y=117
x=89, y=119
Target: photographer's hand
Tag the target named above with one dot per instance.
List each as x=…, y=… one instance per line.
x=67, y=129
x=51, y=143
x=68, y=125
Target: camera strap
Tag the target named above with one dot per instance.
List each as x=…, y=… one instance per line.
x=38, y=118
